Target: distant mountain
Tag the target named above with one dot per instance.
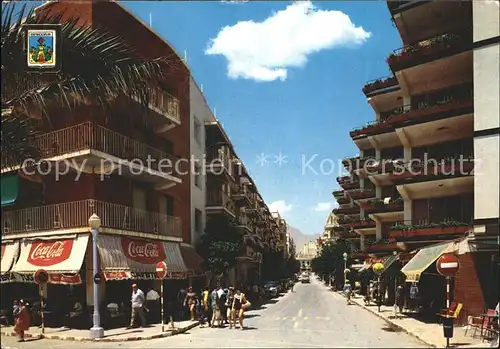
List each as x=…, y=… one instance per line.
x=299, y=238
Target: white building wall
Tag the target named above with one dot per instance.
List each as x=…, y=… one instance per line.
x=200, y=113
x=486, y=16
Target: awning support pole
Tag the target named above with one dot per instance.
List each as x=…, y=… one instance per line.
x=42, y=306
x=161, y=307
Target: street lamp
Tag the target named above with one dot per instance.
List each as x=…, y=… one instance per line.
x=96, y=331
x=395, y=290
x=345, y=265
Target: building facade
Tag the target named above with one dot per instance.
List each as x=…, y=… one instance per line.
x=144, y=206
x=419, y=179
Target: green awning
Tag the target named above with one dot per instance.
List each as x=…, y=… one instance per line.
x=389, y=261
x=423, y=259
x=10, y=189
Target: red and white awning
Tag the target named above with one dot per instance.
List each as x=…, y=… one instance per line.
x=61, y=257
x=124, y=258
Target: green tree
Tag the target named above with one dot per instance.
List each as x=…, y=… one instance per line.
x=97, y=67
x=221, y=244
x=330, y=260
x=292, y=266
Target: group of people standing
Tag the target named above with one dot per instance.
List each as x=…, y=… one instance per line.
x=218, y=307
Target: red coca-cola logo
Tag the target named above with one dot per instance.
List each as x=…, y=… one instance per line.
x=142, y=251
x=43, y=254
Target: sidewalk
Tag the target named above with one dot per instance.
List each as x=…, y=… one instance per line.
x=114, y=335
x=429, y=333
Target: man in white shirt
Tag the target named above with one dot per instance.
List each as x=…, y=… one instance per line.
x=137, y=300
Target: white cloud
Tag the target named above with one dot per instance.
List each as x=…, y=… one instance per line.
x=264, y=51
x=322, y=206
x=280, y=206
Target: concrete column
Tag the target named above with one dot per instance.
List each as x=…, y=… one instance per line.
x=378, y=192
x=407, y=154
x=408, y=207
x=378, y=231
x=377, y=116
x=362, y=243
x=377, y=154
x=406, y=102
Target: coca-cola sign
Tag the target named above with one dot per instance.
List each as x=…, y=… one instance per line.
x=142, y=251
x=44, y=254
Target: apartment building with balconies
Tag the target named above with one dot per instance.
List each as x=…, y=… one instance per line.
x=419, y=178
x=118, y=163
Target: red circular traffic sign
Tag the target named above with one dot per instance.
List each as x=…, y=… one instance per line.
x=447, y=265
x=161, y=269
x=41, y=277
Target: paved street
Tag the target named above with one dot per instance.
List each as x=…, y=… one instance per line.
x=311, y=317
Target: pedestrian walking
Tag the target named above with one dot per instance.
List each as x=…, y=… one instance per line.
x=205, y=303
x=190, y=301
x=348, y=291
x=181, y=297
x=213, y=305
x=223, y=306
x=229, y=307
x=22, y=320
x=240, y=304
x=138, y=307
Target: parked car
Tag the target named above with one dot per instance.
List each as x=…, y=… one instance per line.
x=271, y=288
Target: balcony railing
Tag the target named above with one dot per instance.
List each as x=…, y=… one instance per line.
x=429, y=50
x=338, y=193
x=76, y=214
x=384, y=244
x=364, y=193
x=218, y=198
x=436, y=168
x=406, y=231
x=444, y=102
x=378, y=205
x=89, y=135
x=218, y=157
x=346, y=209
x=379, y=84
x=163, y=103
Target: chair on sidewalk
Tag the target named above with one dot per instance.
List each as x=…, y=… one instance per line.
x=450, y=311
x=481, y=323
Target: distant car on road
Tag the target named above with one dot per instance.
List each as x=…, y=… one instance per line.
x=304, y=278
x=271, y=289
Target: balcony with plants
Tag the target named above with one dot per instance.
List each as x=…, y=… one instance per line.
x=346, y=209
x=337, y=194
x=350, y=234
x=343, y=200
x=379, y=205
x=379, y=85
x=348, y=182
x=444, y=45
x=381, y=245
x=355, y=163
x=446, y=229
x=453, y=101
x=363, y=223
x=371, y=128
x=361, y=193
x=434, y=169
x=347, y=220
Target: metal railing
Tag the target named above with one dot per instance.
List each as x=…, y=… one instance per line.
x=163, y=102
x=89, y=135
x=219, y=198
x=217, y=156
x=76, y=214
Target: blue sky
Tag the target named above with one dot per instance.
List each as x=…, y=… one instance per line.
x=310, y=112
x=289, y=84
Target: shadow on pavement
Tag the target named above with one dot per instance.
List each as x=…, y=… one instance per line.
x=249, y=316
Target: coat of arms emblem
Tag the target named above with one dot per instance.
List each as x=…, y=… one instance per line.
x=41, y=48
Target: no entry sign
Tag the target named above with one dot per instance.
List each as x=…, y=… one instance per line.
x=161, y=270
x=447, y=265
x=41, y=277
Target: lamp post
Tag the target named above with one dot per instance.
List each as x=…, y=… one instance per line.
x=395, y=290
x=96, y=331
x=345, y=266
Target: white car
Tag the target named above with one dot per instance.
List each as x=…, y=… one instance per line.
x=305, y=279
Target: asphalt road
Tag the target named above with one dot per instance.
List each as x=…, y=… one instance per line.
x=310, y=317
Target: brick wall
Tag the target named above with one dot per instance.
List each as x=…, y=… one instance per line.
x=468, y=288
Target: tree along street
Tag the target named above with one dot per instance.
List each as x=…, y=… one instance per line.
x=312, y=317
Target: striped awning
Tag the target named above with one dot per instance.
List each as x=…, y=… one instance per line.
x=10, y=252
x=423, y=259
x=125, y=258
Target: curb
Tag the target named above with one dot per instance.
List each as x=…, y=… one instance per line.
x=392, y=323
x=83, y=339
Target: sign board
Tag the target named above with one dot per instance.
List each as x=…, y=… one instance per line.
x=97, y=279
x=447, y=265
x=161, y=270
x=41, y=277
